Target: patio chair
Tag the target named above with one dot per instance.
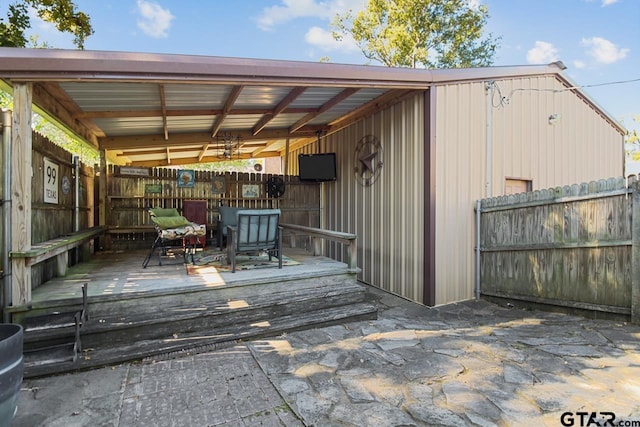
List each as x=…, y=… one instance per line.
x=171, y=226
x=256, y=230
x=228, y=217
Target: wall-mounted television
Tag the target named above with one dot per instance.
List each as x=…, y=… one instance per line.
x=317, y=167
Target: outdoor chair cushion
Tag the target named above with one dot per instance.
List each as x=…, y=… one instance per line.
x=166, y=218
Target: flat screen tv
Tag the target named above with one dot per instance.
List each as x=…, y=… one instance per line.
x=317, y=167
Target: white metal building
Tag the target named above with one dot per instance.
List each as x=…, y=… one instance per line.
x=415, y=148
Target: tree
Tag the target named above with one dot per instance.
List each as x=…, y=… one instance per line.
x=420, y=33
x=61, y=13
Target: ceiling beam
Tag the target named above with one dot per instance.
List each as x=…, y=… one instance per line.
x=193, y=160
x=181, y=113
x=372, y=107
x=163, y=106
x=326, y=106
x=231, y=99
x=201, y=138
x=55, y=105
x=205, y=147
x=295, y=93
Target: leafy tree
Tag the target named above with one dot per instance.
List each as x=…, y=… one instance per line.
x=61, y=13
x=420, y=33
x=632, y=143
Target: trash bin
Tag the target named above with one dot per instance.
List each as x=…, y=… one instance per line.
x=11, y=369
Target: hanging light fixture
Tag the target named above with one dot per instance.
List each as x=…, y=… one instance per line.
x=227, y=145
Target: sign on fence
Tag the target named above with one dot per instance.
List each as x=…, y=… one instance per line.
x=51, y=171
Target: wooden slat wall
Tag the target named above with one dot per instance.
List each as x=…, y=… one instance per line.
x=569, y=246
x=49, y=221
x=128, y=204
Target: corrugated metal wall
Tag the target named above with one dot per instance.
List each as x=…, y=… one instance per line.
x=387, y=216
x=460, y=159
x=580, y=146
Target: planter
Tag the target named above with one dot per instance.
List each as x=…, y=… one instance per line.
x=11, y=368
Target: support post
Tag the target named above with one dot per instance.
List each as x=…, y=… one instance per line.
x=635, y=253
x=21, y=175
x=102, y=201
x=5, y=245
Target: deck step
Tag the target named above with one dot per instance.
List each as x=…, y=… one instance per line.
x=259, y=305
x=205, y=340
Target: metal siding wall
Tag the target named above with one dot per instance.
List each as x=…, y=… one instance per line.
x=387, y=216
x=580, y=147
x=460, y=162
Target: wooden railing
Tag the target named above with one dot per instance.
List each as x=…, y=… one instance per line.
x=318, y=234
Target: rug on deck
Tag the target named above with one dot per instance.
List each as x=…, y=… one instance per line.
x=217, y=259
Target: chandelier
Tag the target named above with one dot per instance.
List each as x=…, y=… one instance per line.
x=227, y=145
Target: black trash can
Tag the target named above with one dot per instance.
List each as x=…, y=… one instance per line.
x=11, y=369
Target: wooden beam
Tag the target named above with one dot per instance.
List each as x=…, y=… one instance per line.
x=178, y=139
x=326, y=106
x=231, y=99
x=183, y=113
x=163, y=106
x=264, y=147
x=168, y=156
x=194, y=160
x=295, y=93
x=372, y=107
x=55, y=105
x=205, y=147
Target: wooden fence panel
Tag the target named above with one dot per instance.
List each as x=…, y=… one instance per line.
x=129, y=200
x=569, y=246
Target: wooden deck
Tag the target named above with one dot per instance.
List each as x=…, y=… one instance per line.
x=136, y=312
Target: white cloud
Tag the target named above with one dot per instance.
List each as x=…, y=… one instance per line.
x=579, y=64
x=289, y=10
x=542, y=53
x=323, y=39
x=608, y=2
x=603, y=51
x=154, y=20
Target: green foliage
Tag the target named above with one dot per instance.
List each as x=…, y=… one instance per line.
x=86, y=153
x=61, y=13
x=420, y=33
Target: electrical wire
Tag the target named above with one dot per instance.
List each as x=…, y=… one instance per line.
x=505, y=100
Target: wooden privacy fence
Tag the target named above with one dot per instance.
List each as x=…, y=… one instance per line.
x=130, y=196
x=576, y=247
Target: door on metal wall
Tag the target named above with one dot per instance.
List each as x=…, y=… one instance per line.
x=516, y=186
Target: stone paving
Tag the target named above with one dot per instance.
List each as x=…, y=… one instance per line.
x=473, y=363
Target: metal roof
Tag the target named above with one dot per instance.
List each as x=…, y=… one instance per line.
x=158, y=109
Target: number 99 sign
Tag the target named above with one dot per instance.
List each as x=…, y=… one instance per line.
x=50, y=181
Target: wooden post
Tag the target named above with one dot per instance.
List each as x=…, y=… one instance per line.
x=21, y=175
x=102, y=202
x=635, y=254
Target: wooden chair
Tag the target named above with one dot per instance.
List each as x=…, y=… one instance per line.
x=256, y=230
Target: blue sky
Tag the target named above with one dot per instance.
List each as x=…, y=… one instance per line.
x=598, y=40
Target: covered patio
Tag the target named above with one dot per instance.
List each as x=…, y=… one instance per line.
x=135, y=312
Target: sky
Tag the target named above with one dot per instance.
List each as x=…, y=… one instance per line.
x=598, y=40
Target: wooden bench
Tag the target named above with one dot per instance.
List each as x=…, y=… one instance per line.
x=316, y=234
x=58, y=247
